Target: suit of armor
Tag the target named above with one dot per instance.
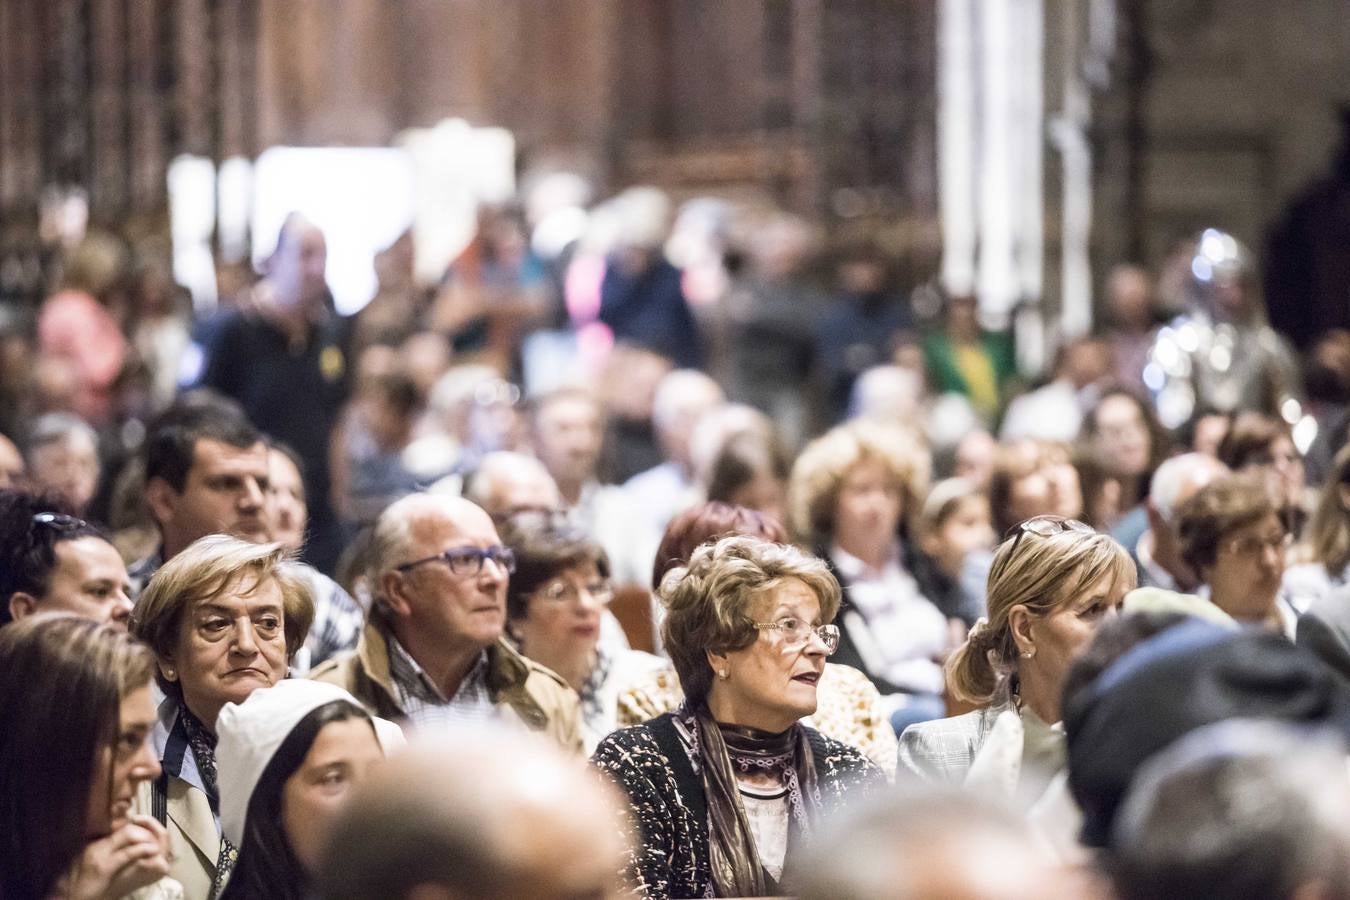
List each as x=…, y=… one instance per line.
x=1221, y=354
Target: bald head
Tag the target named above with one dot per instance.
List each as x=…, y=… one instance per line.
x=506, y=483
x=887, y=392
x=392, y=535
x=933, y=844
x=682, y=398
x=1179, y=478
x=486, y=813
x=295, y=270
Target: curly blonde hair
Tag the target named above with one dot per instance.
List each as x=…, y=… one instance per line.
x=813, y=488
x=1043, y=574
x=709, y=603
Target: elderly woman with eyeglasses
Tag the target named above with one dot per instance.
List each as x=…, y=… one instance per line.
x=1052, y=582
x=728, y=788
x=224, y=618
x=1233, y=534
x=554, y=604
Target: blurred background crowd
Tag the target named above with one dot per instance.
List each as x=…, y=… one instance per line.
x=1030, y=416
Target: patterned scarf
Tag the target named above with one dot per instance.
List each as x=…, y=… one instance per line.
x=203, y=745
x=592, y=703
x=722, y=752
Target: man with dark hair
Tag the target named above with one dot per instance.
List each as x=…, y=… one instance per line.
x=207, y=471
x=51, y=561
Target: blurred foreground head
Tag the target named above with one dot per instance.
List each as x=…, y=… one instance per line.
x=1235, y=810
x=929, y=843
x=490, y=814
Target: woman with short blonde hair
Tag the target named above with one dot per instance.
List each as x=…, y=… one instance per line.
x=726, y=787
x=223, y=617
x=822, y=467
x=1053, y=580
x=855, y=498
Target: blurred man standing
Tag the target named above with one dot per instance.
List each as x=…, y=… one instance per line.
x=285, y=361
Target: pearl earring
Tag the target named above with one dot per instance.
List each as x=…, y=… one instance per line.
x=1028, y=654
x=722, y=674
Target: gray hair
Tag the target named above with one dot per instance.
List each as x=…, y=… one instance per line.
x=1234, y=810
x=499, y=467
x=389, y=540
x=676, y=390
x=921, y=840
x=1164, y=491
x=59, y=426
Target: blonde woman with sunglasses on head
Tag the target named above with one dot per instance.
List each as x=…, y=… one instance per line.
x=1053, y=581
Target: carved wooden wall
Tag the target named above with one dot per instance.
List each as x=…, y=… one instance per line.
x=825, y=107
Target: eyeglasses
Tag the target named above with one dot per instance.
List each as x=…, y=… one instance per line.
x=560, y=592
x=467, y=562
x=1253, y=545
x=59, y=522
x=796, y=632
x=1046, y=526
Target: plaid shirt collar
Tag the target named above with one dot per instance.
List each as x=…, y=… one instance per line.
x=412, y=683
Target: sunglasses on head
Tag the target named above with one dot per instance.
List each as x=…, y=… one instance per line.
x=59, y=522
x=1046, y=526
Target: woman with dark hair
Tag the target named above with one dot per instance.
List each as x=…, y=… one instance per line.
x=51, y=561
x=1123, y=433
x=1233, y=536
x=708, y=522
x=752, y=472
x=726, y=790
x=1258, y=444
x=554, y=603
x=75, y=744
x=290, y=755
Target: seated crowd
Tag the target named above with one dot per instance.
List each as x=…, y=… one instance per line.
x=565, y=643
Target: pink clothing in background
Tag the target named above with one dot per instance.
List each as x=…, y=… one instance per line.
x=75, y=327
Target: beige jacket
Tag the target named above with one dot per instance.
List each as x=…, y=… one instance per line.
x=526, y=691
x=194, y=836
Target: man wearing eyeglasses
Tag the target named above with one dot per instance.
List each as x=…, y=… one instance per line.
x=432, y=652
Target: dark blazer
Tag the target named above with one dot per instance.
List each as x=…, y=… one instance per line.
x=668, y=828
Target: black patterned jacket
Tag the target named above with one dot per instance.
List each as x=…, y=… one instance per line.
x=668, y=829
